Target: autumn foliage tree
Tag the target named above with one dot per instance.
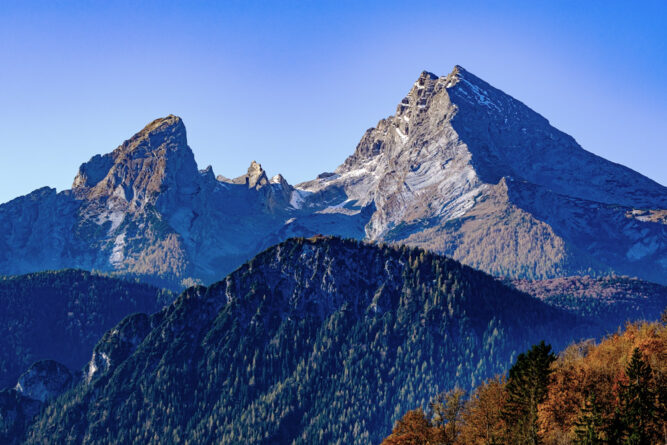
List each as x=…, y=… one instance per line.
x=446, y=409
x=483, y=421
x=413, y=429
x=614, y=392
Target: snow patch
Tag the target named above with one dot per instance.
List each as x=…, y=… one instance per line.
x=402, y=135
x=480, y=95
x=296, y=199
x=275, y=179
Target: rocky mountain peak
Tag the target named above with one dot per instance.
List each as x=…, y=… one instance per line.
x=161, y=138
x=255, y=177
x=459, y=159
x=422, y=89
x=279, y=179
x=154, y=159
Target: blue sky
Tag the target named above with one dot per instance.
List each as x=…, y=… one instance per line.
x=294, y=85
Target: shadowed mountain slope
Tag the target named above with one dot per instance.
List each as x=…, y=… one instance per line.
x=61, y=315
x=320, y=340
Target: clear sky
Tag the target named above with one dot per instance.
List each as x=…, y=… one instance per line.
x=294, y=85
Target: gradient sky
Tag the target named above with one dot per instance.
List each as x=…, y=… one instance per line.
x=294, y=85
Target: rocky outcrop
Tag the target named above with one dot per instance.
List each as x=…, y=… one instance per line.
x=44, y=380
x=39, y=384
x=461, y=168
x=117, y=344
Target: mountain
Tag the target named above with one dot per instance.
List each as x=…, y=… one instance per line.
x=314, y=340
x=143, y=210
x=466, y=170
x=461, y=169
x=62, y=315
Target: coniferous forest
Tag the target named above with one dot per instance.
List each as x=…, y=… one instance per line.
x=61, y=315
x=308, y=331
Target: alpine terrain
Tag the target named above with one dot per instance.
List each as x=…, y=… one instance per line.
x=461, y=169
x=61, y=315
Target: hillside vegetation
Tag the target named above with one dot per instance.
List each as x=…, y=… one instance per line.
x=614, y=392
x=317, y=340
x=61, y=315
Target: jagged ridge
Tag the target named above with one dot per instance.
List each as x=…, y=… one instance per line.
x=461, y=168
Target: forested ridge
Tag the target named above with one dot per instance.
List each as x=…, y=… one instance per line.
x=611, y=300
x=60, y=315
x=317, y=340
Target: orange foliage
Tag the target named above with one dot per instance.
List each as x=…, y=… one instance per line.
x=482, y=415
x=584, y=369
x=413, y=429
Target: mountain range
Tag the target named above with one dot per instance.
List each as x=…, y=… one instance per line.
x=460, y=169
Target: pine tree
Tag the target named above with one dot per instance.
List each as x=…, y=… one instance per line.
x=590, y=423
x=526, y=389
x=638, y=410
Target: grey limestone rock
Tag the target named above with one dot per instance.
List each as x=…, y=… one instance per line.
x=461, y=169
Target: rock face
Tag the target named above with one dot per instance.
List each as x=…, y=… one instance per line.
x=461, y=169
x=44, y=380
x=118, y=343
x=145, y=210
x=466, y=170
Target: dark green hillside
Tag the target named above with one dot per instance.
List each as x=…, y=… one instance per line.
x=61, y=315
x=313, y=341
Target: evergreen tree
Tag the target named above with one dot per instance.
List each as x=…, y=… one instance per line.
x=614, y=429
x=638, y=410
x=526, y=389
x=590, y=423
